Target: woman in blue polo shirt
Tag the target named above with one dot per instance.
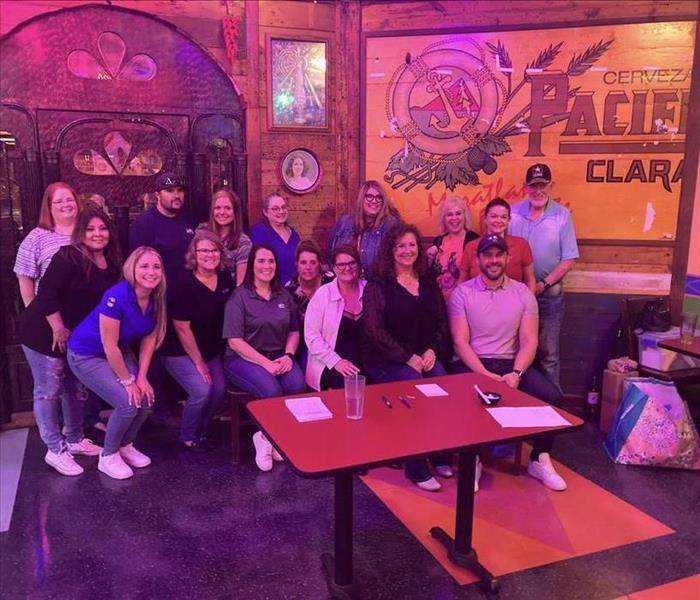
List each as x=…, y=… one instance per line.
x=99, y=354
x=262, y=328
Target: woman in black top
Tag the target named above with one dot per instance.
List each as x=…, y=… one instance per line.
x=193, y=348
x=72, y=286
x=405, y=325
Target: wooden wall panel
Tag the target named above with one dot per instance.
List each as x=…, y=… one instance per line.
x=443, y=14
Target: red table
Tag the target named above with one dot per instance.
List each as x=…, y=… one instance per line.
x=692, y=349
x=338, y=447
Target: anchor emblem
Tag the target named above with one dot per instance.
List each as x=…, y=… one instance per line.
x=453, y=123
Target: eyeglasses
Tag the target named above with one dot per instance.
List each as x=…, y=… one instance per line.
x=208, y=251
x=341, y=266
x=374, y=198
x=277, y=209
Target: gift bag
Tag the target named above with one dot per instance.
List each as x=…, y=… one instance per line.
x=652, y=426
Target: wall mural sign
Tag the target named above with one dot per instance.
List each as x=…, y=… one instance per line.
x=467, y=114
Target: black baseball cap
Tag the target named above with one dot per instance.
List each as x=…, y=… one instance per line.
x=167, y=180
x=489, y=241
x=538, y=173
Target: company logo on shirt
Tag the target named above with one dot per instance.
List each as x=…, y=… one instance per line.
x=281, y=305
x=111, y=302
x=189, y=231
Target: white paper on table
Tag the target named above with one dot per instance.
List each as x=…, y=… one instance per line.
x=527, y=416
x=308, y=409
x=431, y=389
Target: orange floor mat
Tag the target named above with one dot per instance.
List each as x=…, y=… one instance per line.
x=682, y=589
x=518, y=524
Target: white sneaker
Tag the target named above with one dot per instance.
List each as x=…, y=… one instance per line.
x=63, y=463
x=133, y=457
x=429, y=485
x=85, y=447
x=477, y=474
x=543, y=469
x=263, y=452
x=114, y=466
x=276, y=456
x=444, y=471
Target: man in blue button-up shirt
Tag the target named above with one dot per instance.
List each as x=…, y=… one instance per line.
x=549, y=229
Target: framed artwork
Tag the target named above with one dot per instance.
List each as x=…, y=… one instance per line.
x=300, y=171
x=297, y=78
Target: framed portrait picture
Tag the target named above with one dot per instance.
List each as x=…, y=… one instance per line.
x=300, y=171
x=297, y=78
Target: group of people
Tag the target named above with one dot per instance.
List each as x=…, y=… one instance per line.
x=273, y=315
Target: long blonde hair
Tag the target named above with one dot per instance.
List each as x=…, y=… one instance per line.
x=158, y=294
x=457, y=202
x=236, y=227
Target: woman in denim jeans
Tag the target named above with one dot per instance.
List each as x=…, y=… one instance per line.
x=366, y=225
x=99, y=354
x=193, y=350
x=71, y=287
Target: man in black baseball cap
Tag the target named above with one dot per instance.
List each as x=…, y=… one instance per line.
x=549, y=229
x=164, y=226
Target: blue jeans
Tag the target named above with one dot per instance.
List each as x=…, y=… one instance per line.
x=255, y=380
x=126, y=420
x=551, y=307
x=204, y=400
x=416, y=470
x=53, y=381
x=533, y=382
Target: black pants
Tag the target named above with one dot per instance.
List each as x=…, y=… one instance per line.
x=533, y=382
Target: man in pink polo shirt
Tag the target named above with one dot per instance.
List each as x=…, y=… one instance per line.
x=494, y=324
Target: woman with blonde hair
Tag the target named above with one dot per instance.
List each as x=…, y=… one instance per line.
x=99, y=354
x=226, y=222
x=365, y=225
x=445, y=255
x=57, y=216
x=193, y=350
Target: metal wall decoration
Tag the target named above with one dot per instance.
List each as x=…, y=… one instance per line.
x=297, y=83
x=109, y=64
x=300, y=171
x=104, y=98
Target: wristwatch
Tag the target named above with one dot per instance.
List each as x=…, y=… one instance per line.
x=518, y=372
x=546, y=284
x=290, y=355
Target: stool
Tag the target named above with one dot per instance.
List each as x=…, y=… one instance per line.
x=237, y=401
x=518, y=459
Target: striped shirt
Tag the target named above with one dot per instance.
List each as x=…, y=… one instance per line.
x=36, y=251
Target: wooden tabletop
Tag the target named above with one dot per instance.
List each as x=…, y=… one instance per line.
x=432, y=424
x=692, y=349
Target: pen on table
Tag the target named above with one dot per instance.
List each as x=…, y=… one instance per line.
x=483, y=396
x=387, y=401
x=404, y=401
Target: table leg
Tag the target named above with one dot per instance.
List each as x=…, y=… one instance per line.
x=460, y=550
x=338, y=567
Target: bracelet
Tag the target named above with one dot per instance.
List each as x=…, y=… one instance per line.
x=130, y=380
x=290, y=355
x=546, y=284
x=518, y=372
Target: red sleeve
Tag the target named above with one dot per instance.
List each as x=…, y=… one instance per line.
x=466, y=267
